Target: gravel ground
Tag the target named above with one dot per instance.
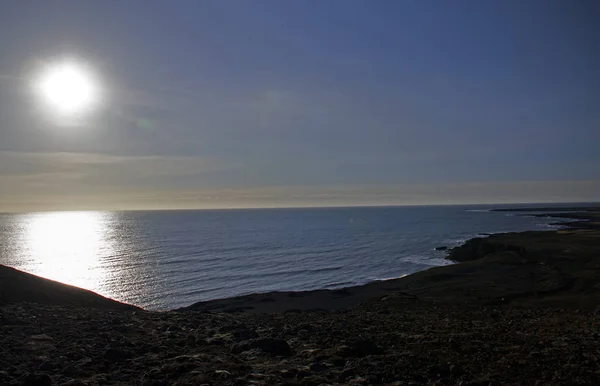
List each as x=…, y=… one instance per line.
x=392, y=341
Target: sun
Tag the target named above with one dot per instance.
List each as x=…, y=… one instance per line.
x=68, y=88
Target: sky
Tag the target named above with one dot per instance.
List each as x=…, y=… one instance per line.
x=210, y=104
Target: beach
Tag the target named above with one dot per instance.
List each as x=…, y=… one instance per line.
x=517, y=308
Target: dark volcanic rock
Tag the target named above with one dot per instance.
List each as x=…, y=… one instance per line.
x=117, y=354
x=413, y=343
x=360, y=348
x=244, y=334
x=317, y=366
x=478, y=248
x=439, y=371
x=243, y=346
x=37, y=380
x=272, y=346
x=442, y=248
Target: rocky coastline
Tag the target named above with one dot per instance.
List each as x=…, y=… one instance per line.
x=517, y=308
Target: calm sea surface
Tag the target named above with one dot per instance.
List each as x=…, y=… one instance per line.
x=166, y=259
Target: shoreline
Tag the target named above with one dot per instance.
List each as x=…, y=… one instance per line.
x=577, y=219
x=495, y=258
x=498, y=258
x=521, y=308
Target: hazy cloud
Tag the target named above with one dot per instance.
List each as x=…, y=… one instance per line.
x=113, y=197
x=68, y=173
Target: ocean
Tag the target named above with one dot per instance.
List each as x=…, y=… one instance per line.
x=163, y=260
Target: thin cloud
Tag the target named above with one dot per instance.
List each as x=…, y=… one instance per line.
x=68, y=172
x=116, y=198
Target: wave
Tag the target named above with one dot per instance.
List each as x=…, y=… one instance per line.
x=340, y=284
x=390, y=278
x=203, y=291
x=551, y=226
x=351, y=283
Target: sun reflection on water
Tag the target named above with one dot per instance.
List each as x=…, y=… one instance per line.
x=65, y=246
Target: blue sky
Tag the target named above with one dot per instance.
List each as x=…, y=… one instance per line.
x=278, y=103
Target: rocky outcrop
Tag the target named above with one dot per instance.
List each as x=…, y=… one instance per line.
x=479, y=247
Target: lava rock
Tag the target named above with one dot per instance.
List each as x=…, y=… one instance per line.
x=244, y=334
x=360, y=348
x=47, y=366
x=439, y=371
x=243, y=346
x=37, y=380
x=273, y=346
x=317, y=366
x=116, y=355
x=306, y=327
x=456, y=370
x=41, y=338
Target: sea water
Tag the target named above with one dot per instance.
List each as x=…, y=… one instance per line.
x=167, y=259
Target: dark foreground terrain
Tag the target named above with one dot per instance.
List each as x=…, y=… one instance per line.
x=520, y=308
x=392, y=341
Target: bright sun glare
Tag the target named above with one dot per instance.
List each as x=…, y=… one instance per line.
x=67, y=246
x=68, y=88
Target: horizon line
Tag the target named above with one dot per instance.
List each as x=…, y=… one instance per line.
x=300, y=207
